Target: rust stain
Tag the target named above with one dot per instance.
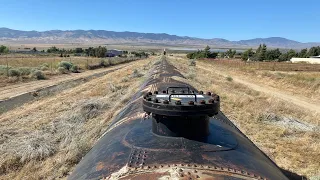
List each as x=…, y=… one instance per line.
x=99, y=166
x=116, y=155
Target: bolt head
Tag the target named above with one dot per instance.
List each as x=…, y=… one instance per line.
x=149, y=99
x=216, y=98
x=165, y=102
x=156, y=100
x=178, y=102
x=149, y=93
x=209, y=93
x=156, y=92
x=164, y=91
x=202, y=102
x=191, y=103
x=200, y=92
x=211, y=101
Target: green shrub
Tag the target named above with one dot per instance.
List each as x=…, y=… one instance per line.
x=74, y=69
x=38, y=75
x=14, y=72
x=105, y=62
x=229, y=78
x=65, y=64
x=25, y=71
x=62, y=70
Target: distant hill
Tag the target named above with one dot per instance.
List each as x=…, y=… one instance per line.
x=102, y=36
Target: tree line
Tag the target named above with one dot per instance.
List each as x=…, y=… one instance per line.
x=263, y=54
x=91, y=51
x=206, y=53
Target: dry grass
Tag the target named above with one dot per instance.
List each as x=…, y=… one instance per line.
x=271, y=66
x=52, y=62
x=304, y=84
x=47, y=138
x=287, y=134
x=49, y=66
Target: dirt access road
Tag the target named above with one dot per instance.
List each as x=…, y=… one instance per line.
x=297, y=100
x=10, y=91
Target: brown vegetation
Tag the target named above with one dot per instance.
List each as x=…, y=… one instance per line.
x=286, y=133
x=271, y=66
x=24, y=68
x=304, y=84
x=47, y=138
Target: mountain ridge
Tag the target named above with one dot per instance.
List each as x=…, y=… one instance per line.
x=53, y=36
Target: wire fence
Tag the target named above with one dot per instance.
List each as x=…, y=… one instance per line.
x=271, y=66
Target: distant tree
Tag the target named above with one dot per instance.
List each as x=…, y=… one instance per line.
x=259, y=49
x=283, y=57
x=303, y=53
x=4, y=49
x=213, y=55
x=34, y=49
x=100, y=52
x=287, y=56
x=78, y=50
x=89, y=51
x=53, y=49
x=292, y=53
x=230, y=53
x=314, y=51
x=261, y=52
x=247, y=54
x=206, y=52
x=273, y=54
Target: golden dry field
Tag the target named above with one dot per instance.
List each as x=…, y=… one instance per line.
x=288, y=133
x=45, y=139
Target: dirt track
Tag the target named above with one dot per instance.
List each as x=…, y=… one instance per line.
x=17, y=89
x=297, y=100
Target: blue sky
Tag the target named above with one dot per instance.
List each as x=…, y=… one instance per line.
x=232, y=20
